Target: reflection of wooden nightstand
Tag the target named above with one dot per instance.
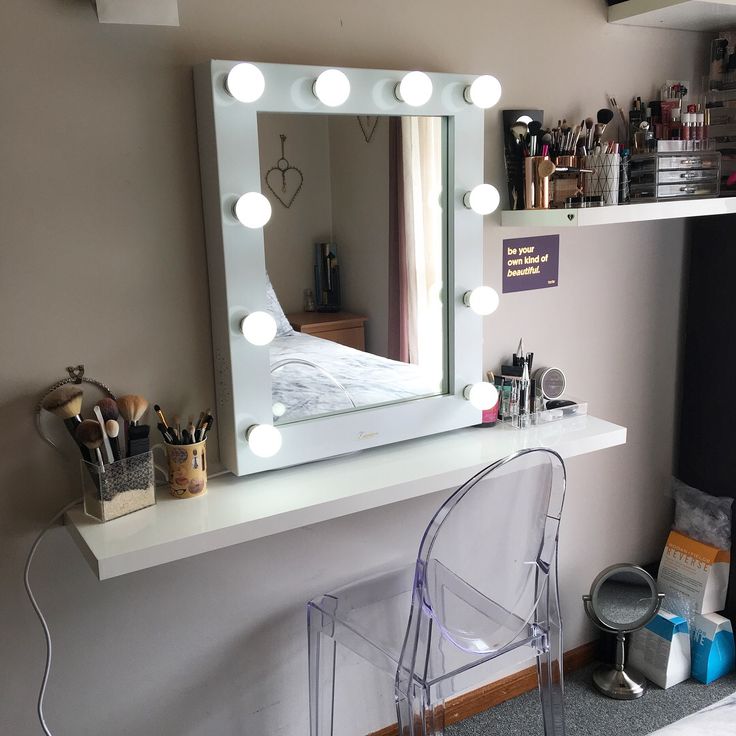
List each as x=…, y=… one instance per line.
x=342, y=327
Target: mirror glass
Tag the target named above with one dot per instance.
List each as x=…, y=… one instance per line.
x=624, y=597
x=356, y=254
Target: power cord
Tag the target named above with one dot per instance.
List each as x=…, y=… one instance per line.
x=31, y=597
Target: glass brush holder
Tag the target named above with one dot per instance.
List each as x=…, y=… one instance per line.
x=118, y=488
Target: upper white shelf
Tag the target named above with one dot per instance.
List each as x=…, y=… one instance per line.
x=683, y=15
x=237, y=510
x=618, y=213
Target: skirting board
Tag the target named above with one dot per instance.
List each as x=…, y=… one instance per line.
x=476, y=701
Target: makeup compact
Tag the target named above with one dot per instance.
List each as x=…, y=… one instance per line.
x=551, y=382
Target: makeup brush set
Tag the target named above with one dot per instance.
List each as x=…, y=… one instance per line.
x=190, y=434
x=117, y=473
x=558, y=166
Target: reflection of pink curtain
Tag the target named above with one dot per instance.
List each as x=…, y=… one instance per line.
x=398, y=289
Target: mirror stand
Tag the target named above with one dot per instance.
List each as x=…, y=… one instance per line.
x=623, y=599
x=616, y=680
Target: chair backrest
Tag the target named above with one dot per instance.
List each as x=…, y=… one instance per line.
x=485, y=557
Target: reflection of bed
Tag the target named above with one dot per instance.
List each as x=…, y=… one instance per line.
x=368, y=379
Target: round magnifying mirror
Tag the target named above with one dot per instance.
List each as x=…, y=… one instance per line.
x=623, y=598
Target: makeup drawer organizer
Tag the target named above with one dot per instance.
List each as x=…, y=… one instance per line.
x=674, y=175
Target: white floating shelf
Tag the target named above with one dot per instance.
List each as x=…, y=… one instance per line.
x=237, y=510
x=612, y=215
x=683, y=15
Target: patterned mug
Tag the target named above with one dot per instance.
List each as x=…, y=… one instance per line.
x=187, y=471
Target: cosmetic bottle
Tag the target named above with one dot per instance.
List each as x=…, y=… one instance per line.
x=685, y=131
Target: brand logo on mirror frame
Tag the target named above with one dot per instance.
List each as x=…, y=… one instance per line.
x=367, y=435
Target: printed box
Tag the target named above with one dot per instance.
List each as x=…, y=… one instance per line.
x=712, y=647
x=661, y=650
x=693, y=576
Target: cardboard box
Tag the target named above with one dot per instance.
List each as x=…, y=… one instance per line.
x=661, y=650
x=693, y=576
x=712, y=647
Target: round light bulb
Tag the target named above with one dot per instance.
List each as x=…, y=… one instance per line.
x=332, y=87
x=245, y=82
x=482, y=199
x=415, y=89
x=278, y=409
x=264, y=440
x=484, y=92
x=481, y=395
x=524, y=119
x=259, y=328
x=253, y=210
x=482, y=300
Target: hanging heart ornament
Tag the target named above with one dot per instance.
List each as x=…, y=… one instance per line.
x=284, y=180
x=368, y=125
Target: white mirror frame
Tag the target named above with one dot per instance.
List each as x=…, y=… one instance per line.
x=228, y=142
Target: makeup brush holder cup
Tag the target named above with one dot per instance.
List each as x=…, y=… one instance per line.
x=563, y=186
x=118, y=489
x=187, y=469
x=536, y=188
x=604, y=181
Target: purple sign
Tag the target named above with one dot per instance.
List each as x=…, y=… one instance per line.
x=531, y=263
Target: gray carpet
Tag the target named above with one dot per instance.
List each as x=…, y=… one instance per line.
x=591, y=714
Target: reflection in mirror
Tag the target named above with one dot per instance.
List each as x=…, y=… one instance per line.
x=360, y=219
x=623, y=599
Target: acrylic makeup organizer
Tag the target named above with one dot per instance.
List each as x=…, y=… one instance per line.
x=118, y=488
x=545, y=416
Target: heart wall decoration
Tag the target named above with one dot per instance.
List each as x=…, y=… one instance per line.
x=284, y=180
x=368, y=124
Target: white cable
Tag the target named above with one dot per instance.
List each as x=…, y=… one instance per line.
x=46, y=632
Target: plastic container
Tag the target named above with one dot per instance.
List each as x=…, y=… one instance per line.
x=118, y=488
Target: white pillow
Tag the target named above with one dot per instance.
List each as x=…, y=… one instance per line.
x=274, y=309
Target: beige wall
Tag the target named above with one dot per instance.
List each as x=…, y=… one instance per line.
x=360, y=216
x=102, y=261
x=293, y=230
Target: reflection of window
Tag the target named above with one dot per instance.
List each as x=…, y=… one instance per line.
x=416, y=321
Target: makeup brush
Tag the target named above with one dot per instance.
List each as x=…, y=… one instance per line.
x=65, y=402
x=604, y=117
x=161, y=416
x=112, y=430
x=105, y=441
x=89, y=434
x=109, y=409
x=132, y=407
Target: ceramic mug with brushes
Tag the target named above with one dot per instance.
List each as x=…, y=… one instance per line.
x=186, y=469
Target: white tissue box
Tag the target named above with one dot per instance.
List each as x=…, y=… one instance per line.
x=661, y=650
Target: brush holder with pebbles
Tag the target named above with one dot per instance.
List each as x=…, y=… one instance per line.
x=120, y=488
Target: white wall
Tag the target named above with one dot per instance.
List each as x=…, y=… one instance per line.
x=102, y=262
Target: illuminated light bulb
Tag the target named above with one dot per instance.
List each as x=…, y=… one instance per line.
x=482, y=300
x=484, y=92
x=481, y=395
x=332, y=87
x=415, y=89
x=253, y=210
x=524, y=119
x=245, y=82
x=259, y=328
x=278, y=409
x=482, y=199
x=264, y=440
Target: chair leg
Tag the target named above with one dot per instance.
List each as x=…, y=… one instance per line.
x=415, y=715
x=321, y=676
x=549, y=664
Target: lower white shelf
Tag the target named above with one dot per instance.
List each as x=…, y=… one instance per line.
x=237, y=510
x=614, y=214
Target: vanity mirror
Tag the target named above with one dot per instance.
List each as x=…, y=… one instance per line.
x=355, y=183
x=623, y=598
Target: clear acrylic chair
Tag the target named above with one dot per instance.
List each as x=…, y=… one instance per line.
x=484, y=584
